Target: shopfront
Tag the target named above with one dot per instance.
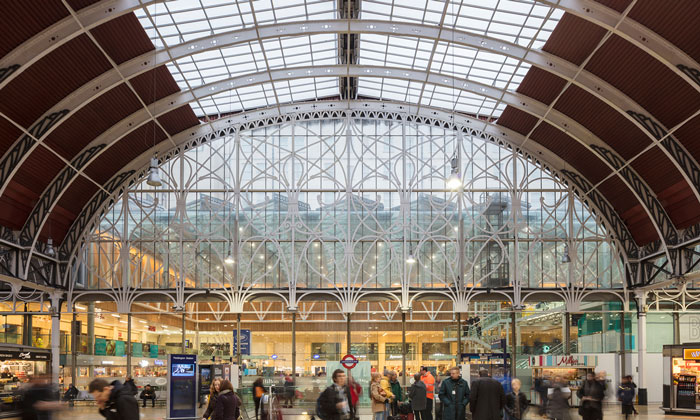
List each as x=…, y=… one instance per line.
x=17, y=365
x=144, y=370
x=572, y=369
x=681, y=367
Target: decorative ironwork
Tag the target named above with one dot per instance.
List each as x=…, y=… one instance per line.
x=89, y=210
x=690, y=72
x=25, y=144
x=7, y=71
x=609, y=214
x=52, y=194
x=643, y=192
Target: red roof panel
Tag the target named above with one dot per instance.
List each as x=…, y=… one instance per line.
x=9, y=133
x=22, y=19
x=517, y=120
x=573, y=38
x=123, y=38
x=178, y=120
x=541, y=85
x=688, y=136
x=54, y=77
x=651, y=84
x=155, y=84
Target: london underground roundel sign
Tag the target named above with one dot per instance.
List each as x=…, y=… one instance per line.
x=348, y=361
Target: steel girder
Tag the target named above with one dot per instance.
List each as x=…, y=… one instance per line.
x=575, y=130
x=603, y=91
x=592, y=84
x=195, y=136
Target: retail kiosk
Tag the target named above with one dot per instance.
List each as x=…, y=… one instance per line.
x=681, y=367
x=572, y=369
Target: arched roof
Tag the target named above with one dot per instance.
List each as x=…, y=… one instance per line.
x=606, y=92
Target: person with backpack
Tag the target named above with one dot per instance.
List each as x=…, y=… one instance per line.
x=378, y=397
x=335, y=402
x=625, y=393
x=258, y=392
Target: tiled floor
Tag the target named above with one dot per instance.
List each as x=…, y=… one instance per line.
x=651, y=412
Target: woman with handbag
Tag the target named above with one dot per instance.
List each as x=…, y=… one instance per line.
x=227, y=406
x=378, y=397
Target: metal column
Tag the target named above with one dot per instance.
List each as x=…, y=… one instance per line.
x=294, y=346
x=184, y=347
x=514, y=342
x=623, y=356
x=91, y=328
x=128, y=344
x=642, y=353
x=459, y=338
x=567, y=333
x=403, y=347
x=349, y=341
x=55, y=343
x=238, y=339
x=676, y=328
x=75, y=340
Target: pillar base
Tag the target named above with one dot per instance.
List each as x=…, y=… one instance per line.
x=642, y=396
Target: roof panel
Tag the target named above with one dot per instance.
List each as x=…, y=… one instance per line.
x=660, y=91
x=154, y=84
x=541, y=85
x=123, y=38
x=574, y=39
x=22, y=19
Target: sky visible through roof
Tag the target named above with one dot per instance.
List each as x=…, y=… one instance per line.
x=523, y=22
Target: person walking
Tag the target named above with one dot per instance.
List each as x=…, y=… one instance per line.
x=454, y=396
x=227, y=405
x=214, y=390
x=39, y=400
x=148, y=394
x=429, y=380
x=334, y=402
x=258, y=392
x=591, y=394
x=397, y=391
x=516, y=402
x=113, y=401
x=625, y=393
x=378, y=397
x=288, y=392
x=558, y=396
x=541, y=390
x=634, y=386
x=355, y=393
x=417, y=393
x=130, y=385
x=487, y=398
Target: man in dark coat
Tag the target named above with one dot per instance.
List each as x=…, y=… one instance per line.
x=487, y=398
x=130, y=385
x=454, y=396
x=418, y=396
x=113, y=400
x=335, y=401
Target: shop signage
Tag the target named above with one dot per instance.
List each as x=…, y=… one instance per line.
x=245, y=342
x=691, y=354
x=348, y=361
x=563, y=361
x=23, y=355
x=151, y=328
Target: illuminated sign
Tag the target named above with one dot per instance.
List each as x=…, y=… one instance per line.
x=691, y=354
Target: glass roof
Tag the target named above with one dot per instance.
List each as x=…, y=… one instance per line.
x=522, y=22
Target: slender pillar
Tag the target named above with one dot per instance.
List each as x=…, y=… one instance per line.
x=567, y=333
x=128, y=344
x=238, y=340
x=55, y=341
x=184, y=347
x=294, y=346
x=403, y=348
x=676, y=328
x=642, y=353
x=349, y=335
x=459, y=338
x=91, y=328
x=514, y=344
x=75, y=342
x=623, y=345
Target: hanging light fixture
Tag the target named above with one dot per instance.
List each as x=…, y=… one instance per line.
x=565, y=259
x=49, y=248
x=410, y=259
x=454, y=181
x=154, y=173
x=229, y=258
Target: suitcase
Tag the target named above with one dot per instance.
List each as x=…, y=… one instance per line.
x=408, y=416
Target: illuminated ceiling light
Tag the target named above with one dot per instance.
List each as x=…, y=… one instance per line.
x=454, y=181
x=154, y=173
x=116, y=315
x=410, y=259
x=229, y=259
x=49, y=248
x=565, y=259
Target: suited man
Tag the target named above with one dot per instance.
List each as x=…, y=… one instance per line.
x=487, y=398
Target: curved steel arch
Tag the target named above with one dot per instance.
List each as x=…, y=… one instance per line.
x=625, y=106
x=333, y=109
x=655, y=211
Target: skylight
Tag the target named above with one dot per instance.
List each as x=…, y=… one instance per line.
x=428, y=48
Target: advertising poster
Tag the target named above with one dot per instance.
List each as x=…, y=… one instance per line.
x=245, y=342
x=154, y=350
x=100, y=347
x=119, y=348
x=137, y=349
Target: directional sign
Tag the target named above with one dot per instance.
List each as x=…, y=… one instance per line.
x=348, y=361
x=245, y=342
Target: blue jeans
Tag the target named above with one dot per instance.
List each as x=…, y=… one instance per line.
x=380, y=416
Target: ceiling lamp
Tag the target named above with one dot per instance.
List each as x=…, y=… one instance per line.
x=229, y=259
x=410, y=259
x=49, y=248
x=565, y=259
x=154, y=173
x=454, y=181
